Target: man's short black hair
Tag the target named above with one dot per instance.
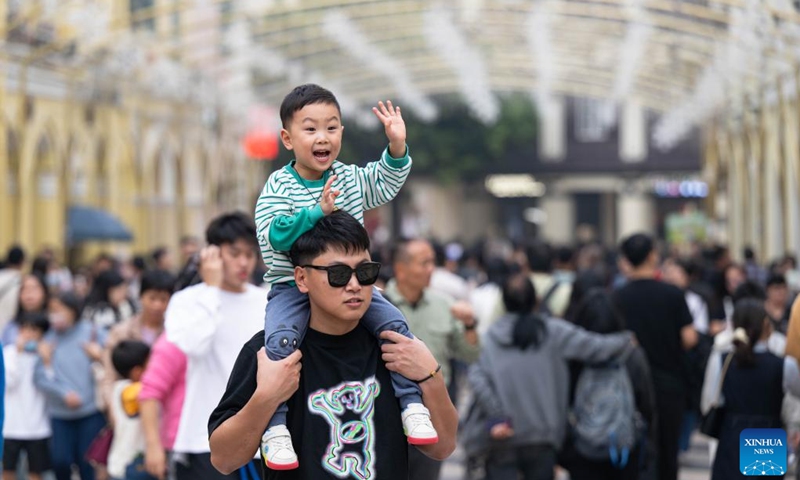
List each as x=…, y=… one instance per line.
x=776, y=279
x=231, y=227
x=749, y=254
x=540, y=257
x=564, y=255
x=158, y=280
x=129, y=354
x=637, y=248
x=308, y=94
x=339, y=230
x=36, y=320
x=15, y=257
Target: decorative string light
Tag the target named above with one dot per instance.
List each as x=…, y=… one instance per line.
x=538, y=33
x=341, y=29
x=450, y=44
x=748, y=35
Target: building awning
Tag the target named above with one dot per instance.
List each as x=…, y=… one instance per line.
x=87, y=223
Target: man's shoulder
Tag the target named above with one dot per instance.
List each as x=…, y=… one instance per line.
x=256, y=342
x=256, y=291
x=189, y=292
x=438, y=298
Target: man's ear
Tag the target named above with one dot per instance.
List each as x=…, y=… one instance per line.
x=300, y=279
x=286, y=139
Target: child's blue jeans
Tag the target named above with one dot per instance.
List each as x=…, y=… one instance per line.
x=286, y=323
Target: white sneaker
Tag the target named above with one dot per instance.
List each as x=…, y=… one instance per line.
x=417, y=425
x=277, y=449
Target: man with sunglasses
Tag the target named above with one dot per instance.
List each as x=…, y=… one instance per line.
x=343, y=417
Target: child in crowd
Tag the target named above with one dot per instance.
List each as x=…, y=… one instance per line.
x=161, y=398
x=27, y=427
x=129, y=358
x=294, y=198
x=64, y=374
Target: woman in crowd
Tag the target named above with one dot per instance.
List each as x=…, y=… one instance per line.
x=597, y=313
x=147, y=326
x=108, y=303
x=753, y=386
x=32, y=300
x=521, y=385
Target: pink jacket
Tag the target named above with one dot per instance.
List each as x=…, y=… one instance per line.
x=165, y=380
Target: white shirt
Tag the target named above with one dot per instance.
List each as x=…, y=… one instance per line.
x=10, y=284
x=128, y=436
x=723, y=344
x=26, y=414
x=210, y=326
x=450, y=284
x=699, y=310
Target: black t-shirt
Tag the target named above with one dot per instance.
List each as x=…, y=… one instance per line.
x=656, y=312
x=344, y=418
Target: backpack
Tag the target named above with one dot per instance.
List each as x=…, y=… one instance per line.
x=544, y=303
x=604, y=418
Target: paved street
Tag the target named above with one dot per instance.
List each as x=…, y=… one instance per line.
x=694, y=464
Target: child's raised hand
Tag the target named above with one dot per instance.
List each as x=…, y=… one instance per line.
x=395, y=127
x=328, y=199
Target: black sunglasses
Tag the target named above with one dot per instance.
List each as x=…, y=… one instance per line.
x=340, y=275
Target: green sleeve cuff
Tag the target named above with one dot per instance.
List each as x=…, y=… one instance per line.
x=285, y=230
x=316, y=214
x=396, y=163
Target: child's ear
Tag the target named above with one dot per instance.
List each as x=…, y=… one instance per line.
x=286, y=139
x=300, y=279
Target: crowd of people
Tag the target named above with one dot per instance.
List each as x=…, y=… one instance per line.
x=515, y=329
x=589, y=362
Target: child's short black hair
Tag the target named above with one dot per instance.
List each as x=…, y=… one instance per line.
x=159, y=280
x=129, y=354
x=339, y=230
x=303, y=95
x=230, y=227
x=35, y=320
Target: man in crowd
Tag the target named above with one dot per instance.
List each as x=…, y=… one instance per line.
x=657, y=313
x=210, y=322
x=343, y=421
x=447, y=329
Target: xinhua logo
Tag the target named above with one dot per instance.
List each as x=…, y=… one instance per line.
x=762, y=452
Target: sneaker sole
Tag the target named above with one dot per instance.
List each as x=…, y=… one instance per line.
x=282, y=466
x=423, y=441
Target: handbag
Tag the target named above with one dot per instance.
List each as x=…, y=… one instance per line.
x=97, y=453
x=711, y=425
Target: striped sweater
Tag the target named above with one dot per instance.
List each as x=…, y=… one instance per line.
x=289, y=204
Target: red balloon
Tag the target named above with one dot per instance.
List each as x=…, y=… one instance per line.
x=260, y=145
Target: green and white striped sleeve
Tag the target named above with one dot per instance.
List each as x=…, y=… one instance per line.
x=380, y=181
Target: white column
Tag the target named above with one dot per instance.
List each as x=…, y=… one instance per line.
x=552, y=130
x=635, y=214
x=559, y=227
x=791, y=158
x=632, y=133
x=773, y=210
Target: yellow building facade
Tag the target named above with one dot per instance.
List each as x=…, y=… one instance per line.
x=163, y=169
